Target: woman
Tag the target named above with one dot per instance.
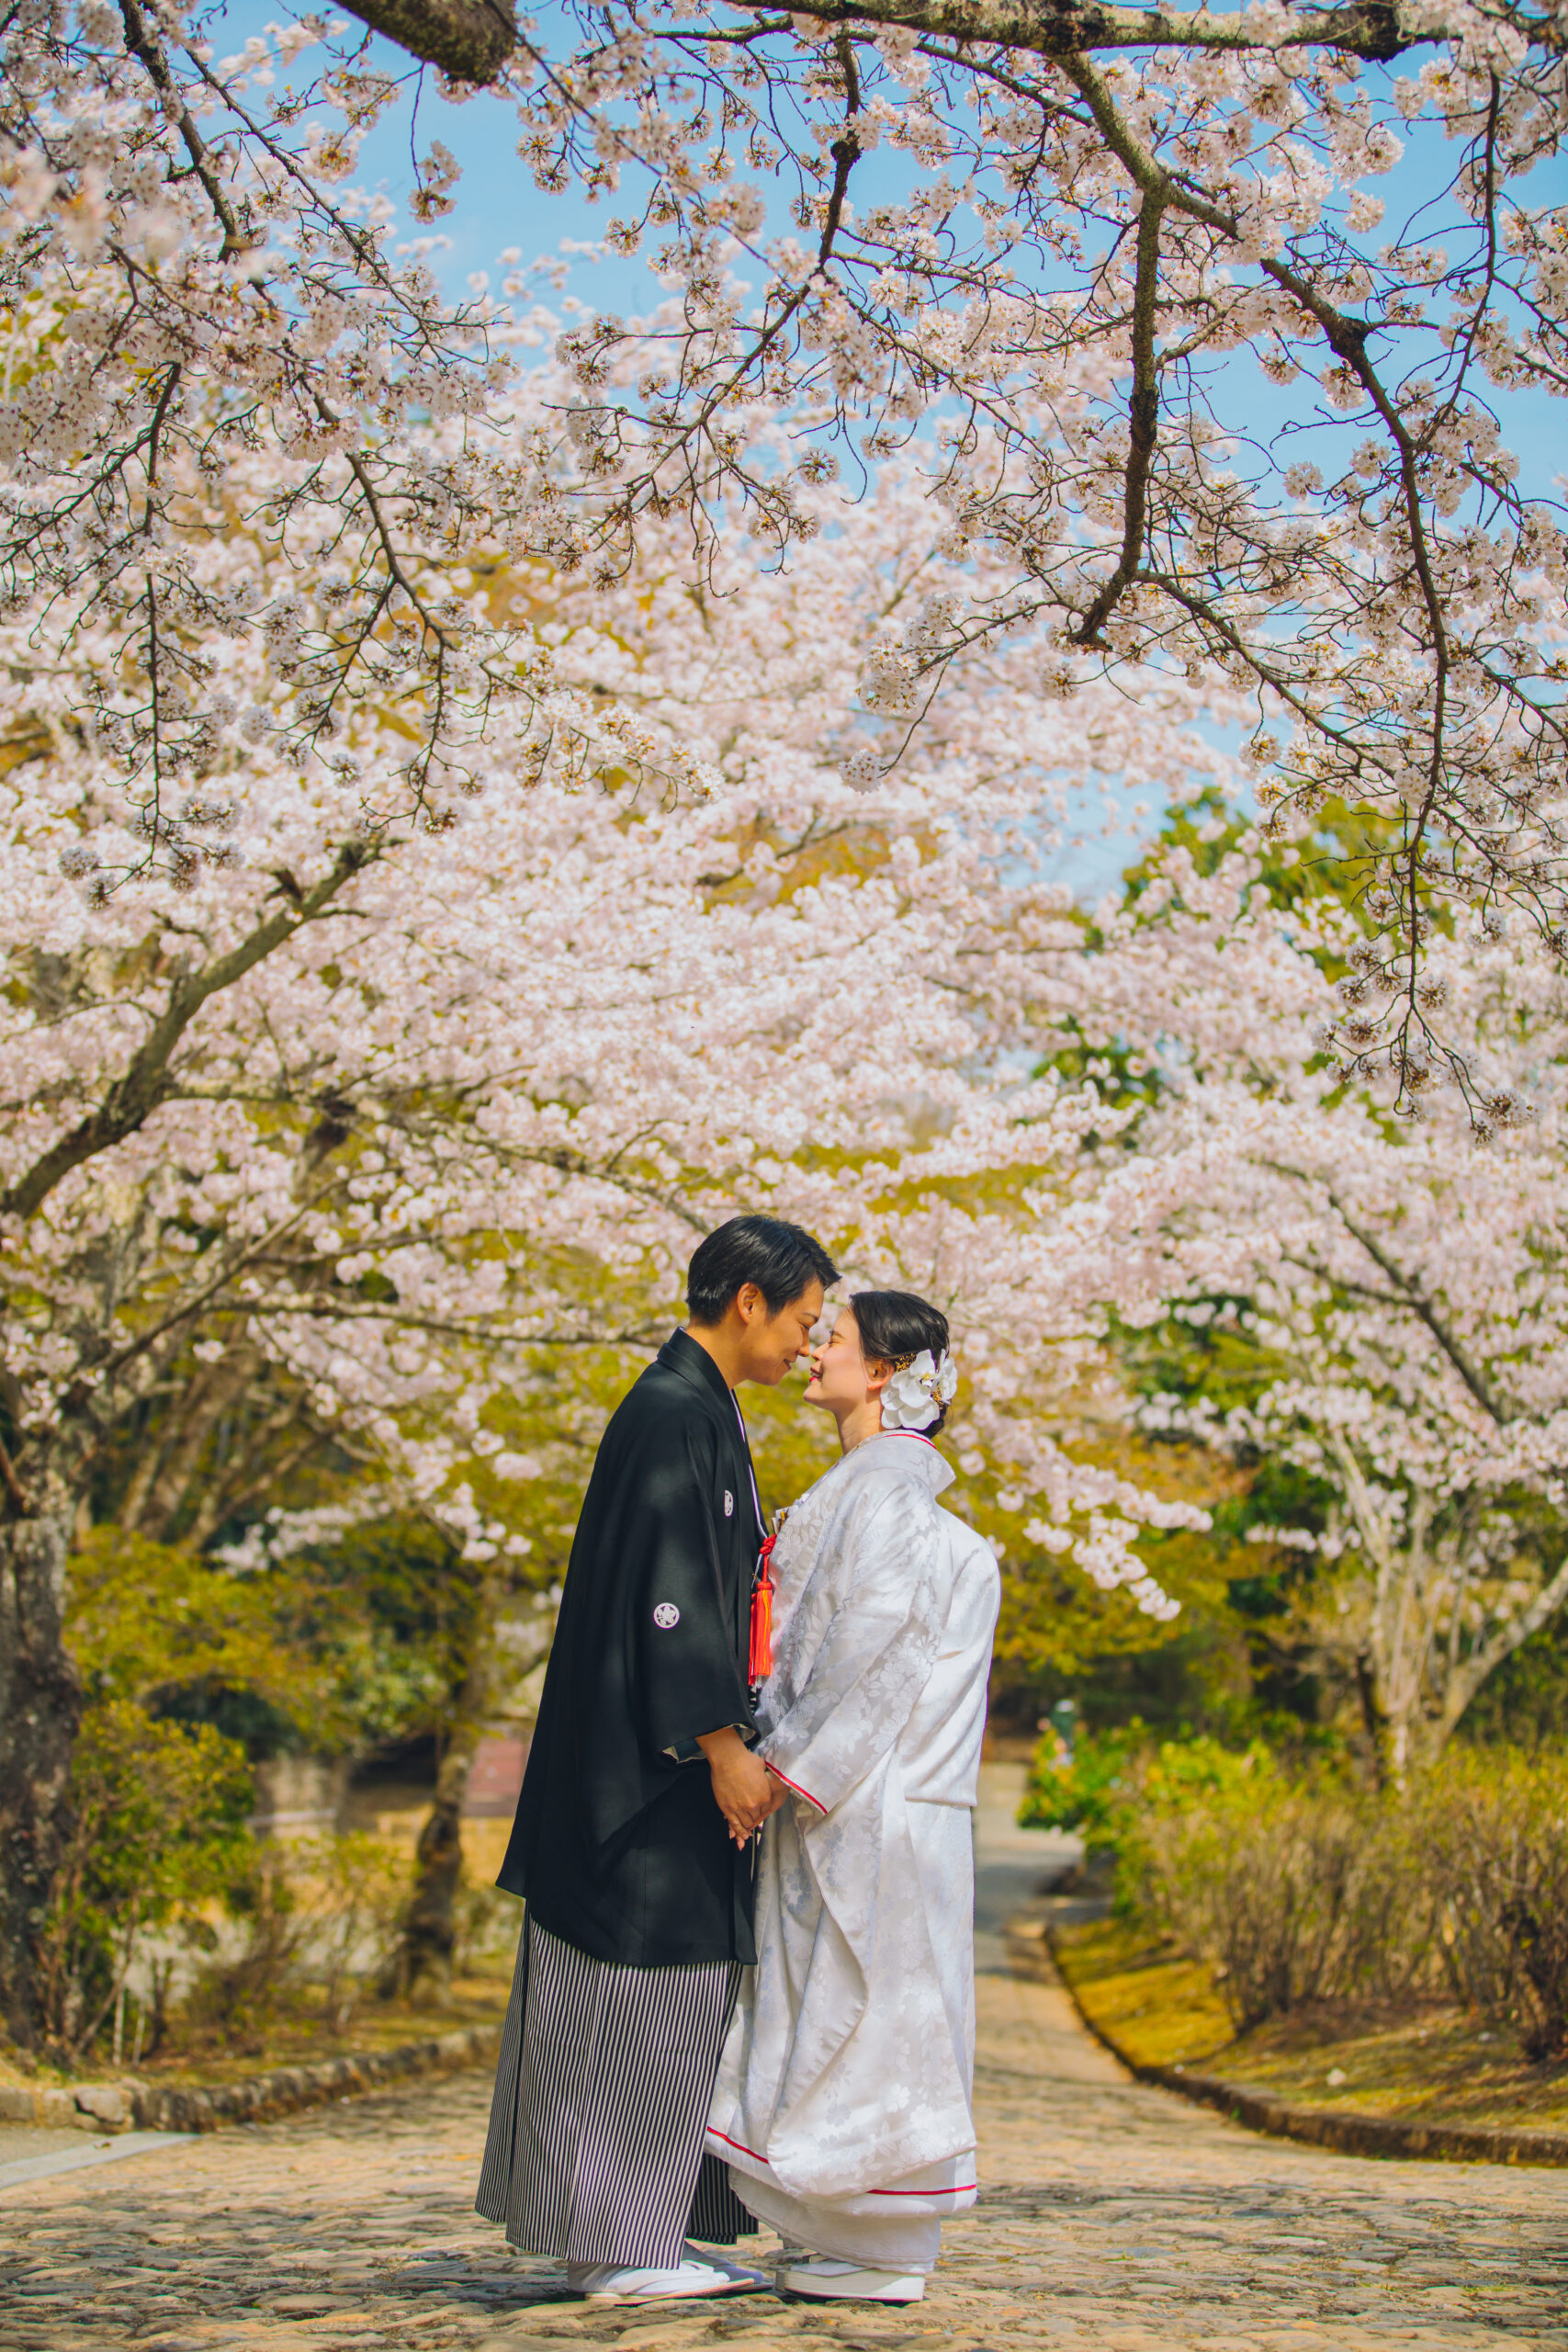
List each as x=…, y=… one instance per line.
x=843, y=2101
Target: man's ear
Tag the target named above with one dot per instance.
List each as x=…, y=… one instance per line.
x=749, y=1303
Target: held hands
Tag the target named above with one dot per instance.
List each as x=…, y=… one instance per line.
x=744, y=1789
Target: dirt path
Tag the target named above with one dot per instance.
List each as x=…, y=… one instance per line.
x=1112, y=2217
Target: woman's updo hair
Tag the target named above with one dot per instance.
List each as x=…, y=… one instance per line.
x=893, y=1327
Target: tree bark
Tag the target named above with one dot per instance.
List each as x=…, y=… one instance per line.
x=430, y=1923
x=41, y=1707
x=469, y=40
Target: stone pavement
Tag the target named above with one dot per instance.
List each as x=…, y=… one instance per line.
x=1113, y=2217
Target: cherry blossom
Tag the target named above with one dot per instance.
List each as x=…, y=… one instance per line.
x=389, y=1116
x=1399, y=1283
x=1195, y=385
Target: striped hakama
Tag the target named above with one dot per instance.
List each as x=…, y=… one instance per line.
x=601, y=2092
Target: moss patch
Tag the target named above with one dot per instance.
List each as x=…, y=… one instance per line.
x=1427, y=2063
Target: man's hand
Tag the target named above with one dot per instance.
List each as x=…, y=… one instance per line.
x=742, y=1786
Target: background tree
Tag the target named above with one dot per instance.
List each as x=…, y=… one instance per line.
x=1187, y=391
x=352, y=1125
x=1372, y=1308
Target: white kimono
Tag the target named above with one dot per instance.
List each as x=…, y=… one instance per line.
x=843, y=2105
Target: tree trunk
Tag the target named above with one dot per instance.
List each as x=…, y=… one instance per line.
x=40, y=1706
x=430, y=1923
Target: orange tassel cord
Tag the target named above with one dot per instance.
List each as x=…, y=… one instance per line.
x=762, y=1661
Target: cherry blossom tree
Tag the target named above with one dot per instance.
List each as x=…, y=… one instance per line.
x=356, y=1123
x=1397, y=1285
x=1188, y=397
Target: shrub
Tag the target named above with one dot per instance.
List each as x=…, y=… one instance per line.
x=1291, y=1889
x=488, y=1921
x=1496, y=1841
x=158, y=1830
x=1299, y=1886
x=164, y=1892
x=1090, y=1788
x=315, y=1917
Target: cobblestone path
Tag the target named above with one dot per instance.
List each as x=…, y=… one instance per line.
x=1113, y=2217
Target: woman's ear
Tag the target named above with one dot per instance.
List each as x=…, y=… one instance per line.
x=877, y=1375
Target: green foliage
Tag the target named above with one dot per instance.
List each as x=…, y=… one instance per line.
x=1233, y=1659
x=388, y=1612
x=1496, y=1834
x=337, y=1647
x=1298, y=1885
x=1111, y=1784
x=1091, y=1787
x=148, y=1620
x=1182, y=1772
x=158, y=1830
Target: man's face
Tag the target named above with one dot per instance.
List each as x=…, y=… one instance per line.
x=773, y=1342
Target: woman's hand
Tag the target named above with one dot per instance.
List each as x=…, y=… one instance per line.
x=743, y=1789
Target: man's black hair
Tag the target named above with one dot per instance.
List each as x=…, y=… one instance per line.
x=780, y=1259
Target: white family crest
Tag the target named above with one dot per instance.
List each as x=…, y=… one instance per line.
x=666, y=1616
x=728, y=1504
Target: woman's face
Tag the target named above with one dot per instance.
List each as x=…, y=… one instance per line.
x=837, y=1378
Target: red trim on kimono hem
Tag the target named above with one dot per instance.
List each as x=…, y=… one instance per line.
x=965, y=2189
x=823, y=1811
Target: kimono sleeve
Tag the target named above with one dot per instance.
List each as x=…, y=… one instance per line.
x=875, y=1657
x=687, y=1675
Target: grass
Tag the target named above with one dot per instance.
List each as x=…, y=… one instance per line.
x=291, y=2031
x=1429, y=2062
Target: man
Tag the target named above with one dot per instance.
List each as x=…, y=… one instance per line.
x=633, y=1838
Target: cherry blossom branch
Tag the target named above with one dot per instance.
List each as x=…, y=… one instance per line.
x=1143, y=421
x=490, y=1332
x=209, y=1296
x=1347, y=337
x=845, y=153
x=1489, y=1653
x=144, y=1083
x=1374, y=31
x=150, y=54
x=472, y=40
x=258, y=1474
x=1414, y=1298
x=469, y=40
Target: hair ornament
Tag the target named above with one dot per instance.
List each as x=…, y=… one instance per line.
x=918, y=1389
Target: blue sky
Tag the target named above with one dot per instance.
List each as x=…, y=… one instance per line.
x=497, y=207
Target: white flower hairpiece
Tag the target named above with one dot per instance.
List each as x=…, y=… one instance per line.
x=918, y=1391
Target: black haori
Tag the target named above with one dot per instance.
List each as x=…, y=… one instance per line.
x=618, y=1847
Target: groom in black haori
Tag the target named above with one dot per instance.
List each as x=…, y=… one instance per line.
x=633, y=1842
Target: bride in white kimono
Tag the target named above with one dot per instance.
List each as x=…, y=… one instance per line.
x=843, y=2105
